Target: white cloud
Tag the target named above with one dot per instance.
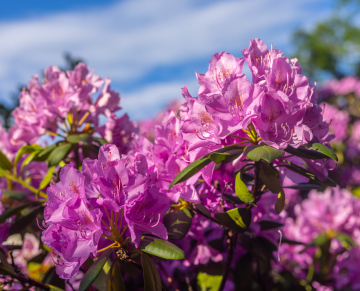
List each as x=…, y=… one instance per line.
x=126, y=41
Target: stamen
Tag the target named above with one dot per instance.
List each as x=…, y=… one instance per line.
x=157, y=221
x=216, y=74
x=279, y=231
x=198, y=135
x=37, y=221
x=188, y=161
x=292, y=131
x=52, y=189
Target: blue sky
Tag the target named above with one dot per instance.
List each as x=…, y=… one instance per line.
x=149, y=48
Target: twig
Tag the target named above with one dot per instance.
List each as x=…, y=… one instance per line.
x=232, y=238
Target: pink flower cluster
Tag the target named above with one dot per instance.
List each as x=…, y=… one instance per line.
x=333, y=213
x=45, y=107
x=109, y=200
x=280, y=103
x=343, y=87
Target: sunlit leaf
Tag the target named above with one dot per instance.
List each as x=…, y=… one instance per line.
x=263, y=151
x=161, y=248
x=94, y=271
x=242, y=191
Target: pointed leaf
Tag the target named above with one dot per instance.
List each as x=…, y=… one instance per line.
x=46, y=151
x=324, y=150
x=15, y=195
x=76, y=138
x=269, y=176
x=268, y=224
x=94, y=270
x=305, y=153
x=178, y=223
x=24, y=150
x=4, y=162
x=29, y=159
x=280, y=202
x=161, y=248
x=54, y=288
x=47, y=178
x=302, y=186
x=263, y=151
x=239, y=218
x=233, y=199
x=114, y=278
x=152, y=281
x=58, y=154
x=200, y=163
x=242, y=191
x=191, y=170
x=209, y=282
x=14, y=210
x=203, y=210
x=225, y=157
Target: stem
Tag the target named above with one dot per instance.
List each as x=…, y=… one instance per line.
x=244, y=138
x=168, y=278
x=232, y=238
x=255, y=188
x=24, y=184
x=25, y=280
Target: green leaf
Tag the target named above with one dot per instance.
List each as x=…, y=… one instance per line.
x=23, y=221
x=84, y=138
x=263, y=151
x=237, y=220
x=15, y=195
x=94, y=270
x=114, y=278
x=268, y=224
x=346, y=240
x=4, y=262
x=242, y=191
x=209, y=282
x=228, y=156
x=58, y=154
x=241, y=216
x=280, y=202
x=161, y=248
x=320, y=240
x=14, y=210
x=202, y=162
x=101, y=141
x=305, y=153
x=54, y=288
x=203, y=210
x=178, y=223
x=152, y=281
x=304, y=186
x=47, y=178
x=233, y=199
x=46, y=151
x=24, y=150
x=269, y=176
x=306, y=173
x=191, y=170
x=4, y=162
x=29, y=159
x=324, y=150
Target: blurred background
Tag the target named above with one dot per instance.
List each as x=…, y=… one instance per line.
x=150, y=49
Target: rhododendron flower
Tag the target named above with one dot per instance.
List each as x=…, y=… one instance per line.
x=77, y=213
